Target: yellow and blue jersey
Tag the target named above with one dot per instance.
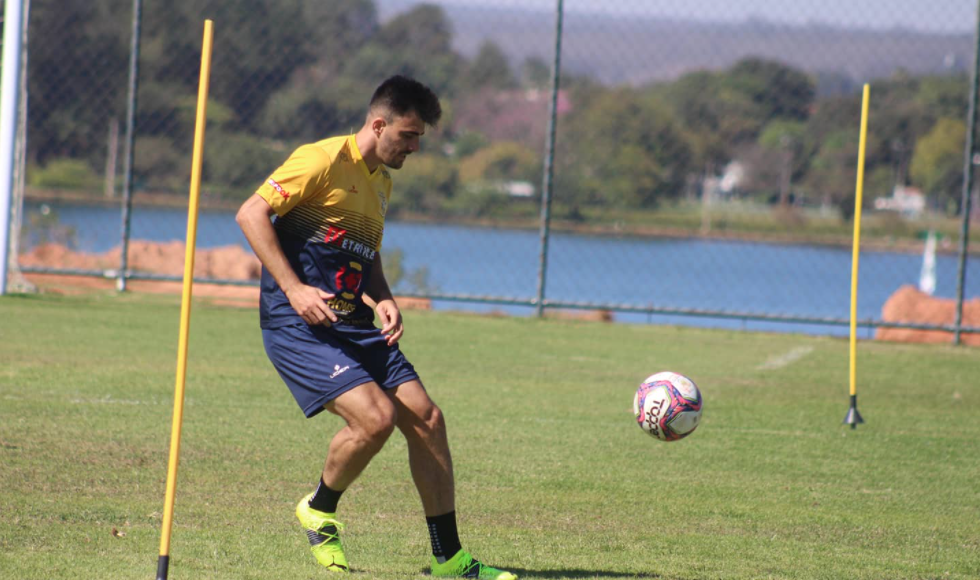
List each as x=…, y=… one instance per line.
x=330, y=214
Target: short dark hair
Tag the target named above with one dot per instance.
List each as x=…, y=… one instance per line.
x=400, y=96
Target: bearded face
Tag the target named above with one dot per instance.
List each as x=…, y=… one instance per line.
x=399, y=138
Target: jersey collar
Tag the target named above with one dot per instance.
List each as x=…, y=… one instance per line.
x=359, y=159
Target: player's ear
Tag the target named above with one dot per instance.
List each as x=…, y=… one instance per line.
x=378, y=125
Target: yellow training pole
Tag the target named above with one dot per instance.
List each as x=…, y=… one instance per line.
x=185, y=303
x=853, y=417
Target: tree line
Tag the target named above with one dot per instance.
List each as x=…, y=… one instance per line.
x=286, y=72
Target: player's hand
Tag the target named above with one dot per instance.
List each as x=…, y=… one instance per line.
x=391, y=320
x=310, y=303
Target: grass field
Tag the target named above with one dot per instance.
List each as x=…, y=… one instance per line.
x=554, y=478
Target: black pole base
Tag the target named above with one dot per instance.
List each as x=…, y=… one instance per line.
x=853, y=417
x=162, y=565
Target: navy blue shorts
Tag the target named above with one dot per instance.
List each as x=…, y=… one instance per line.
x=319, y=364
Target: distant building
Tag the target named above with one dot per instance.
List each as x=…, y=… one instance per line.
x=732, y=177
x=519, y=188
x=515, y=189
x=906, y=200
x=725, y=185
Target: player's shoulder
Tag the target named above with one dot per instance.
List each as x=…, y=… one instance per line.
x=322, y=154
x=334, y=149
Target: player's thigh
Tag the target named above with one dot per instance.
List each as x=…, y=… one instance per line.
x=414, y=406
x=365, y=407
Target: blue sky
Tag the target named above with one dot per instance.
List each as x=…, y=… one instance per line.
x=922, y=15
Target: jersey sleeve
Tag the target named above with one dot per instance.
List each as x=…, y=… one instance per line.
x=301, y=177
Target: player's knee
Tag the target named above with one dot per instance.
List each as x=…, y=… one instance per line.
x=377, y=427
x=433, y=420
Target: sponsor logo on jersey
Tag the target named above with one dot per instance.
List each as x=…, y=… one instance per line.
x=334, y=235
x=349, y=280
x=353, y=189
x=384, y=203
x=361, y=249
x=275, y=185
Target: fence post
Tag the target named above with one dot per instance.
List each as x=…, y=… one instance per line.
x=549, y=163
x=969, y=158
x=127, y=205
x=12, y=29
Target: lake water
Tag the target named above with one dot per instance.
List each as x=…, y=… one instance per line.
x=732, y=276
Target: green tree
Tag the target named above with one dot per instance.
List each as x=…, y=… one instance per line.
x=79, y=51
x=535, y=73
x=944, y=96
x=896, y=118
x=236, y=168
x=489, y=69
x=426, y=183
x=469, y=142
x=625, y=151
x=831, y=115
x=500, y=161
x=715, y=121
x=303, y=113
x=778, y=90
x=718, y=116
x=258, y=44
x=777, y=160
x=937, y=165
x=833, y=171
x=158, y=165
x=725, y=111
x=63, y=174
x=76, y=78
x=416, y=43
x=336, y=28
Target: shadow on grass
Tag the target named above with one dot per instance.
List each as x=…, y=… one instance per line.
x=527, y=574
x=582, y=574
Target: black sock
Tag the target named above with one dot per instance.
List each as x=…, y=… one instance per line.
x=444, y=536
x=325, y=499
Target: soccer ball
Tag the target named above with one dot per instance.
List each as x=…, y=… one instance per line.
x=668, y=406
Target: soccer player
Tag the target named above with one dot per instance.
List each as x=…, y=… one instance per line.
x=321, y=275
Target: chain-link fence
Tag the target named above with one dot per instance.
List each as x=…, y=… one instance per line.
x=702, y=167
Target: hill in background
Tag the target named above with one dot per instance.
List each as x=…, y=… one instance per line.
x=639, y=49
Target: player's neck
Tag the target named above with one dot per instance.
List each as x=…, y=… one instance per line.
x=367, y=144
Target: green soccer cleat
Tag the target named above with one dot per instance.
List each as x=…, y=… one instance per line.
x=462, y=565
x=323, y=532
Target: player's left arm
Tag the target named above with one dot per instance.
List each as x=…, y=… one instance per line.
x=388, y=313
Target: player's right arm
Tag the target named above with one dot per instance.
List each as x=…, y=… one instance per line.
x=309, y=302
